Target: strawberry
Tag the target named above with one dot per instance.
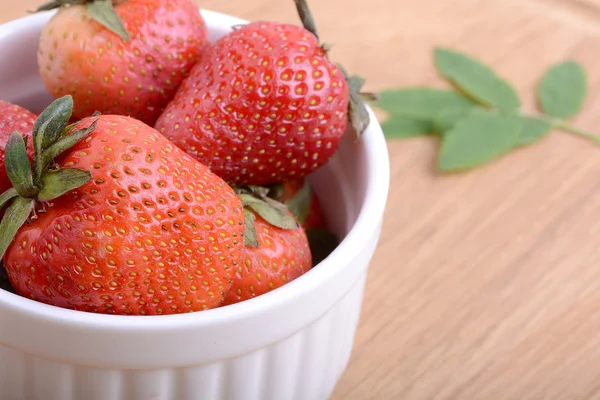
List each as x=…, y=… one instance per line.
x=128, y=59
x=13, y=118
x=280, y=256
x=265, y=105
x=124, y=222
x=304, y=203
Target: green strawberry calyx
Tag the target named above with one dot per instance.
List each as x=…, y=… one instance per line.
x=256, y=201
x=102, y=11
x=357, y=110
x=299, y=204
x=321, y=240
x=42, y=180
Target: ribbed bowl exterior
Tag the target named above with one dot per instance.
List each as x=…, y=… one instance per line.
x=305, y=366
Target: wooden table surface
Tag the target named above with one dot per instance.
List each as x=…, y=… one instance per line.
x=486, y=285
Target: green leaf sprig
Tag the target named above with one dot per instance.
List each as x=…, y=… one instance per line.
x=480, y=119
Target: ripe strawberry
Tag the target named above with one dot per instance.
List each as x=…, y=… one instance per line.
x=126, y=60
x=13, y=118
x=282, y=255
x=264, y=106
x=134, y=225
x=304, y=203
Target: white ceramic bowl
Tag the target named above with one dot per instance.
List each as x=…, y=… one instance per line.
x=291, y=344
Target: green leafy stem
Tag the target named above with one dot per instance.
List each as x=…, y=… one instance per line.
x=567, y=127
x=480, y=118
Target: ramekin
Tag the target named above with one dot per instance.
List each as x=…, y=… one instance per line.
x=291, y=344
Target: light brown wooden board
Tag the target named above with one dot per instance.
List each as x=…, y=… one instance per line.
x=486, y=285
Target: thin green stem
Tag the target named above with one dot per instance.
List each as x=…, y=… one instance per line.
x=306, y=17
x=565, y=126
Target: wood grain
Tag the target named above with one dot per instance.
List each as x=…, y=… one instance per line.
x=486, y=285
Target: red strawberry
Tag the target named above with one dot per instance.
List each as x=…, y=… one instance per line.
x=134, y=225
x=131, y=63
x=304, y=203
x=264, y=106
x=281, y=256
x=13, y=118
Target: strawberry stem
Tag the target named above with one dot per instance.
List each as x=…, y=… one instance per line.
x=306, y=17
x=357, y=111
